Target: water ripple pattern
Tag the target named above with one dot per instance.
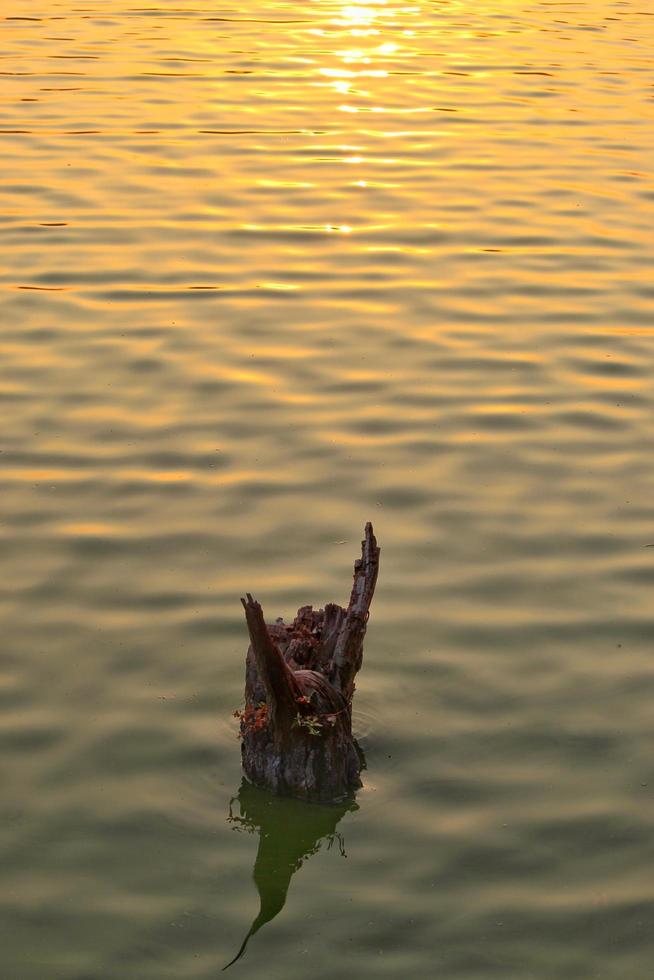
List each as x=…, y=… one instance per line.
x=269, y=271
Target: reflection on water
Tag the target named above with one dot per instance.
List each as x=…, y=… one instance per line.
x=270, y=271
x=290, y=831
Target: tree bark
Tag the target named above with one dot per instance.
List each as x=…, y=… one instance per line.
x=296, y=728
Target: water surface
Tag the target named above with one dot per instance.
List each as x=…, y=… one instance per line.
x=270, y=271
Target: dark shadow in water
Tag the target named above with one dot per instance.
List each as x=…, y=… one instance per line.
x=290, y=831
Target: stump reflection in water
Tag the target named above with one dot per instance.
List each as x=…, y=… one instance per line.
x=290, y=831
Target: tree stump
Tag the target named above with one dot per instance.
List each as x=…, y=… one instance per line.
x=296, y=728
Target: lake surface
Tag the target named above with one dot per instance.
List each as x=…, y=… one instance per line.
x=269, y=271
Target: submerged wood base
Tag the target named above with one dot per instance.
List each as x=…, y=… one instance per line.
x=296, y=728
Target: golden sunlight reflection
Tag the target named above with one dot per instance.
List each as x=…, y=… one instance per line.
x=361, y=74
x=360, y=15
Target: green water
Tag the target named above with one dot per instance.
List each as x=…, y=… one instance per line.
x=268, y=273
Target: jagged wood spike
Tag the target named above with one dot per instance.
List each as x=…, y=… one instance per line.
x=348, y=654
x=278, y=679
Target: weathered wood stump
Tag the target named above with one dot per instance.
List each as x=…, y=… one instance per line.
x=296, y=728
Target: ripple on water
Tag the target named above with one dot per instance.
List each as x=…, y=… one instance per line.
x=268, y=275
